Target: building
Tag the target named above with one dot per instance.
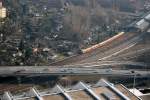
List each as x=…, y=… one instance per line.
x=142, y=25
x=144, y=94
x=102, y=90
x=2, y=11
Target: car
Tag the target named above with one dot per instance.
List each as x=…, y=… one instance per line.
x=19, y=71
x=109, y=70
x=95, y=72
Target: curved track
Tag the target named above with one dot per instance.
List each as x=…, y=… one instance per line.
x=110, y=52
x=117, y=46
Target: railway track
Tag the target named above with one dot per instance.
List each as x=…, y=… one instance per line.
x=131, y=54
x=97, y=53
x=135, y=51
x=78, y=59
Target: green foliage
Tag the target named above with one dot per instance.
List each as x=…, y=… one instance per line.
x=46, y=24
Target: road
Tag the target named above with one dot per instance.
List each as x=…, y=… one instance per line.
x=92, y=59
x=45, y=71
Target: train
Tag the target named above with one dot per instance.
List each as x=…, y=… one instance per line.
x=103, y=43
x=140, y=26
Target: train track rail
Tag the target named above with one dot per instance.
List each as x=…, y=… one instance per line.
x=117, y=44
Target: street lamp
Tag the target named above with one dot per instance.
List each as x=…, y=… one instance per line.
x=134, y=79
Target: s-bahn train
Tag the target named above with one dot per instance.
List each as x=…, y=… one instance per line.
x=119, y=35
x=140, y=26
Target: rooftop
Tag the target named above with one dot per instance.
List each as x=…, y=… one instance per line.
x=2, y=11
x=103, y=90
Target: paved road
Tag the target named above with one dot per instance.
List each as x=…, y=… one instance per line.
x=32, y=71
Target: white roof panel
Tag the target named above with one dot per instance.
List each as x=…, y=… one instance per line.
x=148, y=17
x=136, y=92
x=140, y=22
